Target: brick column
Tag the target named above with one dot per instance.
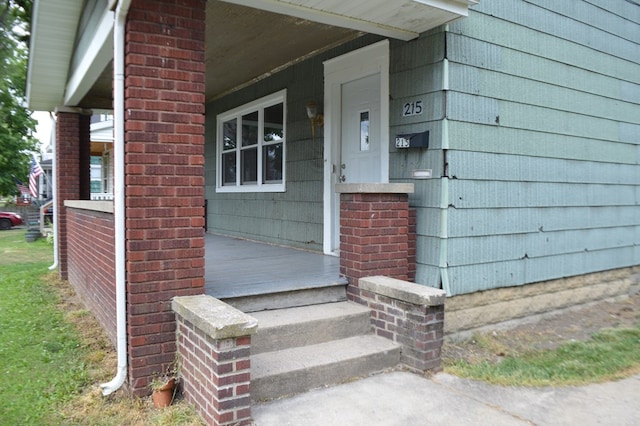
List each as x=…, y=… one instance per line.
x=164, y=175
x=412, y=241
x=374, y=225
x=72, y=133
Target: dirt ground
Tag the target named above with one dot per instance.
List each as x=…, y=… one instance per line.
x=546, y=333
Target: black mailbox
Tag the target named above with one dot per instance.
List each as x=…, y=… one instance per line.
x=413, y=140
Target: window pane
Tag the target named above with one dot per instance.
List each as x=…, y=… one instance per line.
x=229, y=135
x=364, y=131
x=272, y=163
x=274, y=123
x=229, y=168
x=250, y=129
x=249, y=166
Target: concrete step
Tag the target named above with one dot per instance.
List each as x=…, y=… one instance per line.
x=294, y=370
x=334, y=292
x=301, y=326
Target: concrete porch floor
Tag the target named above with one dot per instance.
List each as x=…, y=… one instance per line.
x=235, y=267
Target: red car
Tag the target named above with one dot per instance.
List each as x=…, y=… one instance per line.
x=8, y=219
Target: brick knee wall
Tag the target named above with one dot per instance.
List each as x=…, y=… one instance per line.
x=92, y=263
x=406, y=313
x=214, y=357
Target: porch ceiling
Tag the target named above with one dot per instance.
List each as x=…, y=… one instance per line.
x=246, y=40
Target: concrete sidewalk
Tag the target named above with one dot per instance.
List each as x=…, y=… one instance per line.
x=402, y=398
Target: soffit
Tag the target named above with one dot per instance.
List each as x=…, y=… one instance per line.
x=53, y=25
x=401, y=19
x=245, y=42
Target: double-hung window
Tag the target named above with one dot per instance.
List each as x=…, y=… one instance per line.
x=251, y=146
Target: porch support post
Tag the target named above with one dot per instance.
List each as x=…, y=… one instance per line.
x=374, y=226
x=164, y=175
x=72, y=154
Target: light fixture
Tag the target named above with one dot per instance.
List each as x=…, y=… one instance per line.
x=422, y=174
x=315, y=118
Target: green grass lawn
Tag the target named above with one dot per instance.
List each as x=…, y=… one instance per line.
x=54, y=354
x=609, y=355
x=39, y=350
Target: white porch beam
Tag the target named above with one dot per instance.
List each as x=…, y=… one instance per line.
x=96, y=57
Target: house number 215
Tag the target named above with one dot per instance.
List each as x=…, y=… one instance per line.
x=412, y=108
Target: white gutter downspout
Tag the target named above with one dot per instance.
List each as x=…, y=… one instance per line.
x=443, y=261
x=54, y=190
x=118, y=192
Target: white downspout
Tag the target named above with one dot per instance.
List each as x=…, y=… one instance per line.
x=54, y=195
x=443, y=261
x=118, y=191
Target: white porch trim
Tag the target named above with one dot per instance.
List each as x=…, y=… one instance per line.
x=360, y=63
x=396, y=19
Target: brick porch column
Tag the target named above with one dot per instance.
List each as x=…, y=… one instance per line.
x=164, y=175
x=72, y=177
x=374, y=226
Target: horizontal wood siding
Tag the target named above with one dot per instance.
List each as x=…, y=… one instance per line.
x=418, y=72
x=543, y=125
x=295, y=216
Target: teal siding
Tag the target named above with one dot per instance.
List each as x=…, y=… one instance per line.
x=294, y=217
x=533, y=110
x=513, y=220
x=543, y=154
x=418, y=72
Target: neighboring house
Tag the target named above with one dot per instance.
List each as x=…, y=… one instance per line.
x=101, y=153
x=518, y=126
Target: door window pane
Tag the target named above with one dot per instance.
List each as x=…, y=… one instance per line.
x=364, y=131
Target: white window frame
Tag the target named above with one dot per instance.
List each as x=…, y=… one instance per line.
x=258, y=105
x=107, y=173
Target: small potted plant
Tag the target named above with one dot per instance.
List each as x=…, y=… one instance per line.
x=164, y=387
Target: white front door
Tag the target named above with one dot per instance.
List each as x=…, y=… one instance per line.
x=356, y=128
x=360, y=137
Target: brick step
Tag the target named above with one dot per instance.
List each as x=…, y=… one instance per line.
x=301, y=326
x=294, y=370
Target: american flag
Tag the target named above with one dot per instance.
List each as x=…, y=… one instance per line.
x=36, y=171
x=22, y=188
